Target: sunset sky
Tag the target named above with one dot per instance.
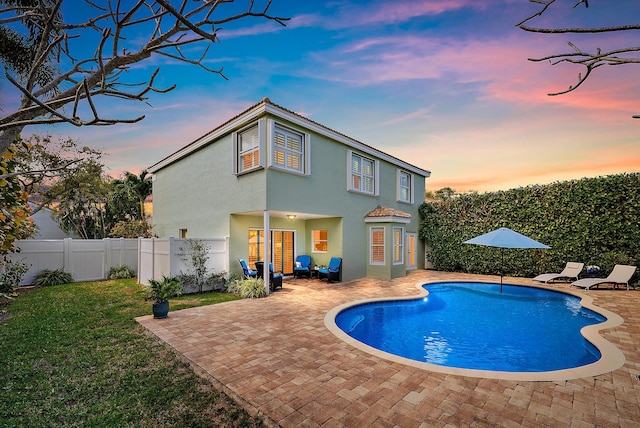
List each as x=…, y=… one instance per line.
x=443, y=84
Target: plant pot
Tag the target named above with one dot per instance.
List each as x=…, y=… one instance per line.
x=160, y=310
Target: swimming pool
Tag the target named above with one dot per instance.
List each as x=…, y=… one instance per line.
x=473, y=327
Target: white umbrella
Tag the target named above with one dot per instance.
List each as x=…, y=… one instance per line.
x=505, y=238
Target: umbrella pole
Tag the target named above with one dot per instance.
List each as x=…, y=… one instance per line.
x=501, y=267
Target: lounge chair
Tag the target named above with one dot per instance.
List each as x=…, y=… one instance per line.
x=621, y=274
x=246, y=270
x=331, y=272
x=303, y=266
x=571, y=270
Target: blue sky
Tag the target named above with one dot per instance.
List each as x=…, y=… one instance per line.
x=443, y=84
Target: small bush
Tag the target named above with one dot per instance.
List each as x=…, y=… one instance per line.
x=247, y=287
x=11, y=275
x=121, y=272
x=217, y=281
x=49, y=277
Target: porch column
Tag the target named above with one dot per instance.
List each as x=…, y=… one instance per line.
x=267, y=250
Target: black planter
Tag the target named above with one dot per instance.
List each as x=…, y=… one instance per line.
x=161, y=310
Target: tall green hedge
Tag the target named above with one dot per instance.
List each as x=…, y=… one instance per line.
x=592, y=220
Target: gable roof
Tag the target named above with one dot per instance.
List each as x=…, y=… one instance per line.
x=382, y=214
x=267, y=106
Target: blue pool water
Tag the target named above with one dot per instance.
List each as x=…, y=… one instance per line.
x=474, y=326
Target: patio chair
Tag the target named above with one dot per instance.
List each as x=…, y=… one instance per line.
x=331, y=272
x=246, y=270
x=275, y=279
x=571, y=270
x=303, y=266
x=621, y=274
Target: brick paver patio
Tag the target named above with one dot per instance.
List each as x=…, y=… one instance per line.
x=276, y=357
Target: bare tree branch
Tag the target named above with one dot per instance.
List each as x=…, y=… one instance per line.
x=589, y=60
x=84, y=77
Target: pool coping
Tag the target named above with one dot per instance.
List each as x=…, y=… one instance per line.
x=612, y=358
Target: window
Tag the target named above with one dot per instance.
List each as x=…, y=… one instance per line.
x=363, y=174
x=319, y=241
x=247, y=149
x=288, y=150
x=405, y=187
x=183, y=233
x=398, y=245
x=377, y=246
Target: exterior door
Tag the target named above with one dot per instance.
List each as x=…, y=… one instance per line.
x=410, y=248
x=282, y=242
x=282, y=248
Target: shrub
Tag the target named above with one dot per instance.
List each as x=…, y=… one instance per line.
x=11, y=276
x=197, y=255
x=121, y=272
x=131, y=229
x=49, y=277
x=592, y=220
x=217, y=281
x=247, y=287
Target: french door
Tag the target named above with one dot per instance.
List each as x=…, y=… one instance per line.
x=410, y=248
x=282, y=249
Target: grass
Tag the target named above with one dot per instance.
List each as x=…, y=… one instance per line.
x=73, y=355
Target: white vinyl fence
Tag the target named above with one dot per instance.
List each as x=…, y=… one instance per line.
x=164, y=256
x=91, y=259
x=84, y=259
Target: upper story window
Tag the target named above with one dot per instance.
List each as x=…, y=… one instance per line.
x=363, y=174
x=288, y=149
x=247, y=148
x=405, y=187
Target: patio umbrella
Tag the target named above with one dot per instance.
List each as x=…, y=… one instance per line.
x=505, y=238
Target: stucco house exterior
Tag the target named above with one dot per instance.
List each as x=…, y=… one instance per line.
x=317, y=191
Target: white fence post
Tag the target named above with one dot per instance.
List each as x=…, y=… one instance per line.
x=106, y=257
x=67, y=245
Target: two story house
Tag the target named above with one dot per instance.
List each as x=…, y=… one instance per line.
x=316, y=191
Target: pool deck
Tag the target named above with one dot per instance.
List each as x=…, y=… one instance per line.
x=276, y=357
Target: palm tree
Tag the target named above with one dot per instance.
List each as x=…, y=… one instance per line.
x=133, y=188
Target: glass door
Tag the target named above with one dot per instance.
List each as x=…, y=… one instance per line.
x=282, y=243
x=410, y=248
x=283, y=251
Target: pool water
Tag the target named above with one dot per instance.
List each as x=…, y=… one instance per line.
x=474, y=326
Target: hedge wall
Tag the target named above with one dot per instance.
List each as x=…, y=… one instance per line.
x=593, y=220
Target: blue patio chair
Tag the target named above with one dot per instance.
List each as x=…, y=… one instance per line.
x=245, y=269
x=303, y=266
x=275, y=279
x=331, y=272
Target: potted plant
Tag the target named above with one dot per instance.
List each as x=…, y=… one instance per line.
x=160, y=291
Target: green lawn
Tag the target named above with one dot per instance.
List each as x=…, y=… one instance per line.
x=73, y=355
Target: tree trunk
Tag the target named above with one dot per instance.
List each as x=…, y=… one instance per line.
x=8, y=137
